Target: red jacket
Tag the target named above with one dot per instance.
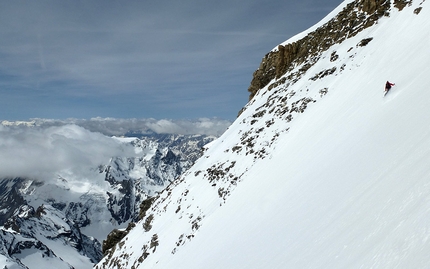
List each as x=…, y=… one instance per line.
x=388, y=85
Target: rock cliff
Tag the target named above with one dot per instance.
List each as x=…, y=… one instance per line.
x=354, y=18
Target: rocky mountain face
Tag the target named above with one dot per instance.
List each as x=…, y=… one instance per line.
x=55, y=222
x=305, y=52
x=267, y=193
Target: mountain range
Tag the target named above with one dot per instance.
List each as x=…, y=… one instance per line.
x=64, y=222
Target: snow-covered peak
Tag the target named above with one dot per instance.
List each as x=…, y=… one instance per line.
x=320, y=170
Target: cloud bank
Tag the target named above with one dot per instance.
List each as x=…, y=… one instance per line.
x=41, y=153
x=44, y=149
x=131, y=127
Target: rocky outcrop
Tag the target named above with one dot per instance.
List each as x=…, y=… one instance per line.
x=400, y=4
x=10, y=199
x=355, y=17
x=114, y=237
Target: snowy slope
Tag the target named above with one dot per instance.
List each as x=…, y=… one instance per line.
x=323, y=172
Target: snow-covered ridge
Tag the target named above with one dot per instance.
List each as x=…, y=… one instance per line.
x=319, y=171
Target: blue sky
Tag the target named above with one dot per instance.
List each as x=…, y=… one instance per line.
x=139, y=59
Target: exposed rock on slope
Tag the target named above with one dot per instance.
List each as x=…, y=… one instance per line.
x=305, y=52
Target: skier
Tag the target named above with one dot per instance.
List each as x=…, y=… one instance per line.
x=388, y=86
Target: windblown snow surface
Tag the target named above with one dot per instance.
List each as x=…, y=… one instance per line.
x=342, y=181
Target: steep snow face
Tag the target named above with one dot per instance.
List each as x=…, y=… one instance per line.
x=60, y=223
x=321, y=172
